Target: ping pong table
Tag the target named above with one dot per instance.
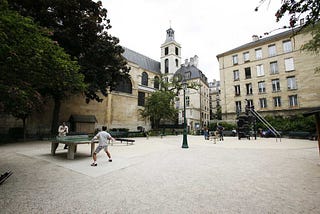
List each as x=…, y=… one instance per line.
x=72, y=142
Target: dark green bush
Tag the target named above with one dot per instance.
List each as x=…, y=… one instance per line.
x=292, y=123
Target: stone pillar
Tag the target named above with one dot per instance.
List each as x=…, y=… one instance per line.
x=109, y=110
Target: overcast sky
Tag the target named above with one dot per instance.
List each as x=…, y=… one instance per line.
x=204, y=28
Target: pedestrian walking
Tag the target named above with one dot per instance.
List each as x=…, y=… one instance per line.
x=103, y=137
x=220, y=130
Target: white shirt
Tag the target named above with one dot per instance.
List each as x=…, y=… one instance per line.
x=63, y=130
x=103, y=137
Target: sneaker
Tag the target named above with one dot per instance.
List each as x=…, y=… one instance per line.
x=94, y=164
x=110, y=160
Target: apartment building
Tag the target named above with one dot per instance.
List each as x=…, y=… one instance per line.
x=197, y=100
x=272, y=74
x=214, y=99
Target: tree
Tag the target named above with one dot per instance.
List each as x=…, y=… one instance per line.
x=80, y=27
x=32, y=66
x=20, y=102
x=308, y=9
x=159, y=106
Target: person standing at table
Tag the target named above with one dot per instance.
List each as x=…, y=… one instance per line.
x=103, y=137
x=63, y=130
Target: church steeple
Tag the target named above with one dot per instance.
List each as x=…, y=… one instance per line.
x=170, y=54
x=170, y=35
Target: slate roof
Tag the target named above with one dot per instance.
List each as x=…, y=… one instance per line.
x=193, y=71
x=259, y=42
x=141, y=60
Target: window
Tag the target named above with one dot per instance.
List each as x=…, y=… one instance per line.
x=275, y=85
x=260, y=70
x=236, y=75
x=247, y=72
x=156, y=82
x=235, y=59
x=277, y=101
x=187, y=101
x=177, y=101
x=274, y=67
x=263, y=102
x=259, y=53
x=291, y=83
x=246, y=57
x=238, y=106
x=124, y=85
x=250, y=103
x=262, y=87
x=287, y=46
x=166, y=66
x=249, y=88
x=272, y=50
x=141, y=98
x=187, y=74
x=166, y=51
x=144, y=79
x=293, y=100
x=177, y=104
x=237, y=90
x=288, y=64
x=177, y=63
x=177, y=51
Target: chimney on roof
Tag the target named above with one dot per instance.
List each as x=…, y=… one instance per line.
x=186, y=62
x=255, y=38
x=191, y=61
x=195, y=60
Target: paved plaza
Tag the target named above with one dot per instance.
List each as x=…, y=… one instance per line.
x=156, y=175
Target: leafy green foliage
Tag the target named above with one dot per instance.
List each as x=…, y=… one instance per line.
x=32, y=66
x=159, y=106
x=292, y=123
x=80, y=27
x=314, y=44
x=308, y=9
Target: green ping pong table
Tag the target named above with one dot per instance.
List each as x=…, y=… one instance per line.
x=72, y=142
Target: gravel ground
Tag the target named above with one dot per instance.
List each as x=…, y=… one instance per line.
x=156, y=175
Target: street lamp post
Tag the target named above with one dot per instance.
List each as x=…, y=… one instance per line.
x=185, y=140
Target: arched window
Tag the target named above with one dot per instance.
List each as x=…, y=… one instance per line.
x=166, y=51
x=124, y=86
x=166, y=66
x=156, y=82
x=144, y=79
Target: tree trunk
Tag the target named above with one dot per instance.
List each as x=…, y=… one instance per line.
x=24, y=128
x=55, y=116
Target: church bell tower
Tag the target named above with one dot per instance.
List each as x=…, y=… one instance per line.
x=170, y=55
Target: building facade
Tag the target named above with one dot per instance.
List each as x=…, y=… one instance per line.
x=121, y=108
x=214, y=99
x=272, y=74
x=197, y=99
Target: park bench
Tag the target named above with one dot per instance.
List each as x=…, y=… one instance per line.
x=128, y=141
x=299, y=134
